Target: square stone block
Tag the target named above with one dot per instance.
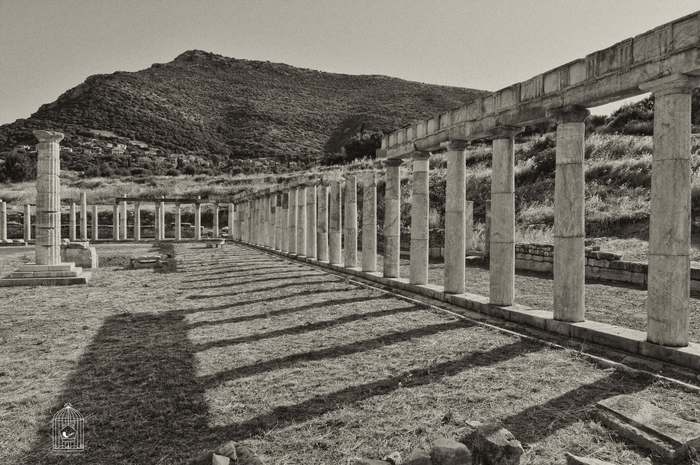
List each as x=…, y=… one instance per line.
x=609, y=335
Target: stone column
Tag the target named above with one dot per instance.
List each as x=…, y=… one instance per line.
x=48, y=198
x=392, y=219
x=335, y=223
x=124, y=232
x=161, y=210
x=369, y=222
x=278, y=221
x=137, y=221
x=469, y=225
x=502, y=230
x=569, y=215
x=83, y=217
x=487, y=228
x=350, y=223
x=284, y=242
x=301, y=221
x=178, y=222
x=322, y=222
x=3, y=221
x=231, y=225
x=115, y=222
x=197, y=221
x=455, y=218
x=292, y=216
x=215, y=226
x=669, y=223
x=156, y=221
x=95, y=223
x=311, y=220
x=72, y=235
x=420, y=206
x=27, y=223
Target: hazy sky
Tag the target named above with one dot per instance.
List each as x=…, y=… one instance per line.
x=48, y=46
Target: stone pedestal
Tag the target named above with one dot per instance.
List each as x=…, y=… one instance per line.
x=322, y=223
x=502, y=230
x=311, y=221
x=420, y=204
x=455, y=218
x=669, y=224
x=81, y=254
x=392, y=219
x=95, y=223
x=137, y=221
x=569, y=215
x=335, y=224
x=48, y=269
x=27, y=223
x=350, y=223
x=178, y=222
x=72, y=230
x=115, y=222
x=369, y=222
x=83, y=217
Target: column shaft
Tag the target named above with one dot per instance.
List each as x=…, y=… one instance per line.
x=161, y=210
x=322, y=222
x=95, y=223
x=197, y=221
x=3, y=221
x=335, y=223
x=83, y=217
x=27, y=223
x=215, y=226
x=48, y=199
x=502, y=228
x=469, y=225
x=301, y=221
x=124, y=232
x=455, y=219
x=311, y=221
x=369, y=222
x=420, y=205
x=292, y=236
x=137, y=221
x=115, y=222
x=72, y=235
x=350, y=223
x=392, y=219
x=178, y=222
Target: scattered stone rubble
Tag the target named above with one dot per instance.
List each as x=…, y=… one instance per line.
x=228, y=453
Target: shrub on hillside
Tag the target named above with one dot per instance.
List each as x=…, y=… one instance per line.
x=17, y=168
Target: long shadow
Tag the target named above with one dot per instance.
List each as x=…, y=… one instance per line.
x=273, y=278
x=265, y=299
x=247, y=272
x=270, y=288
x=137, y=388
x=330, y=352
x=283, y=416
x=540, y=421
x=288, y=311
x=232, y=266
x=307, y=328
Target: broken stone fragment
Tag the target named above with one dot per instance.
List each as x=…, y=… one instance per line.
x=228, y=449
x=246, y=456
x=450, y=452
x=493, y=445
x=394, y=458
x=575, y=460
x=217, y=459
x=363, y=461
x=418, y=457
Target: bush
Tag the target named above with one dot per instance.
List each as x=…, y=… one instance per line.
x=18, y=168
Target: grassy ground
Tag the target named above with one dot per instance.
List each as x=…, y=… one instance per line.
x=305, y=367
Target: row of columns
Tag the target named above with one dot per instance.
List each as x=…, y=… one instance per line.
x=310, y=222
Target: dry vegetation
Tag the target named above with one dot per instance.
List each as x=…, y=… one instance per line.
x=305, y=367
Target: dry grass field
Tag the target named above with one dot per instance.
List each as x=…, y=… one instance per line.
x=305, y=367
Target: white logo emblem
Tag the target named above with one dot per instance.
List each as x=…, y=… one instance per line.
x=67, y=428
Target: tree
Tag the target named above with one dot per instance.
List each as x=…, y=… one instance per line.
x=18, y=167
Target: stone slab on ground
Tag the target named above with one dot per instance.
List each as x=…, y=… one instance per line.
x=572, y=459
x=649, y=426
x=63, y=281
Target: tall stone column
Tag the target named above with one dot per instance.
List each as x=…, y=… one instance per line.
x=392, y=219
x=569, y=215
x=487, y=228
x=197, y=221
x=137, y=221
x=311, y=220
x=292, y=235
x=95, y=223
x=124, y=230
x=420, y=205
x=469, y=225
x=215, y=226
x=301, y=221
x=350, y=223
x=161, y=210
x=178, y=222
x=322, y=222
x=48, y=200
x=83, y=217
x=669, y=223
x=284, y=226
x=156, y=221
x=502, y=229
x=115, y=222
x=27, y=223
x=369, y=222
x=3, y=221
x=72, y=235
x=230, y=218
x=455, y=220
x=335, y=223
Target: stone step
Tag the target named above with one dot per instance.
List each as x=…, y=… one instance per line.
x=82, y=279
x=31, y=267
x=44, y=274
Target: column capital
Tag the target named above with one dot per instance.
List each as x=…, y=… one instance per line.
x=393, y=162
x=672, y=84
x=455, y=145
x=48, y=136
x=420, y=156
x=568, y=114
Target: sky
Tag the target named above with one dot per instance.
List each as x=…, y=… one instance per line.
x=49, y=46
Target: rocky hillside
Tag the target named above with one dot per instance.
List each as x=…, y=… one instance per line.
x=216, y=111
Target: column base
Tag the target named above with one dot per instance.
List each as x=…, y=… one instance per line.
x=46, y=275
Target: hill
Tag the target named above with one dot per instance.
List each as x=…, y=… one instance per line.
x=210, y=110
